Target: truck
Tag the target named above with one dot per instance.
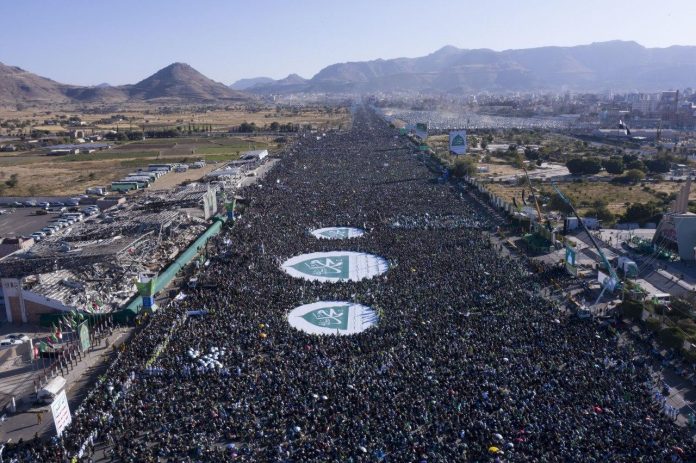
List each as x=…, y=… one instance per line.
x=627, y=266
x=97, y=190
x=51, y=390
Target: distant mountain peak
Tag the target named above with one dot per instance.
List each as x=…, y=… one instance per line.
x=181, y=81
x=244, y=84
x=446, y=49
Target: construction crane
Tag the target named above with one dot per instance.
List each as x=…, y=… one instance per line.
x=613, y=281
x=536, y=203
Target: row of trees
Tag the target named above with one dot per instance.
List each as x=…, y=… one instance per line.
x=617, y=165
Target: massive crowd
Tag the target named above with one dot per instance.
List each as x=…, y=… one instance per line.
x=467, y=363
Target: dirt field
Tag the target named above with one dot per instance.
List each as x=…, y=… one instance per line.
x=584, y=194
x=137, y=117
x=41, y=175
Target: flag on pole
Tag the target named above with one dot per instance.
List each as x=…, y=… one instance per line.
x=623, y=126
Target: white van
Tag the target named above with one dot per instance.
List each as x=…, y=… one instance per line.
x=49, y=392
x=660, y=298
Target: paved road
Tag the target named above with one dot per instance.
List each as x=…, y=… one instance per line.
x=25, y=425
x=649, y=266
x=23, y=222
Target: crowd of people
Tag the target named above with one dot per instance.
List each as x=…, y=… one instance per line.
x=468, y=361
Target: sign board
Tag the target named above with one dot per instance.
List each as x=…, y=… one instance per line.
x=570, y=261
x=209, y=203
x=332, y=317
x=83, y=335
x=422, y=130
x=61, y=412
x=335, y=266
x=457, y=142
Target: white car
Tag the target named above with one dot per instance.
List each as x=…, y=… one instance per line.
x=9, y=342
x=18, y=337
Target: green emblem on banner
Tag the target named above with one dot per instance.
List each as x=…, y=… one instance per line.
x=458, y=140
x=330, y=267
x=335, y=318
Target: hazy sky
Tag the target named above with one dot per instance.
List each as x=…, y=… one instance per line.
x=93, y=41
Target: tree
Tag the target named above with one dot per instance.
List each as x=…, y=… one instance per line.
x=614, y=165
x=640, y=212
x=464, y=165
x=636, y=164
x=659, y=166
x=13, y=181
x=599, y=209
x=557, y=204
x=531, y=154
x=634, y=175
x=584, y=166
x=518, y=161
x=246, y=127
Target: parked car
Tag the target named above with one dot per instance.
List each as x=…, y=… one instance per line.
x=30, y=203
x=19, y=337
x=44, y=204
x=37, y=236
x=9, y=342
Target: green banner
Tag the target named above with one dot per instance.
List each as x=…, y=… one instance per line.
x=570, y=261
x=83, y=335
x=146, y=288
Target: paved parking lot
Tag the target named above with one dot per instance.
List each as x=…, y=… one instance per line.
x=23, y=222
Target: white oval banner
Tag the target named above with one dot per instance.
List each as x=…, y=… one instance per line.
x=332, y=317
x=338, y=233
x=335, y=266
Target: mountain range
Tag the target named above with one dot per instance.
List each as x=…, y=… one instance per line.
x=603, y=66
x=176, y=83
